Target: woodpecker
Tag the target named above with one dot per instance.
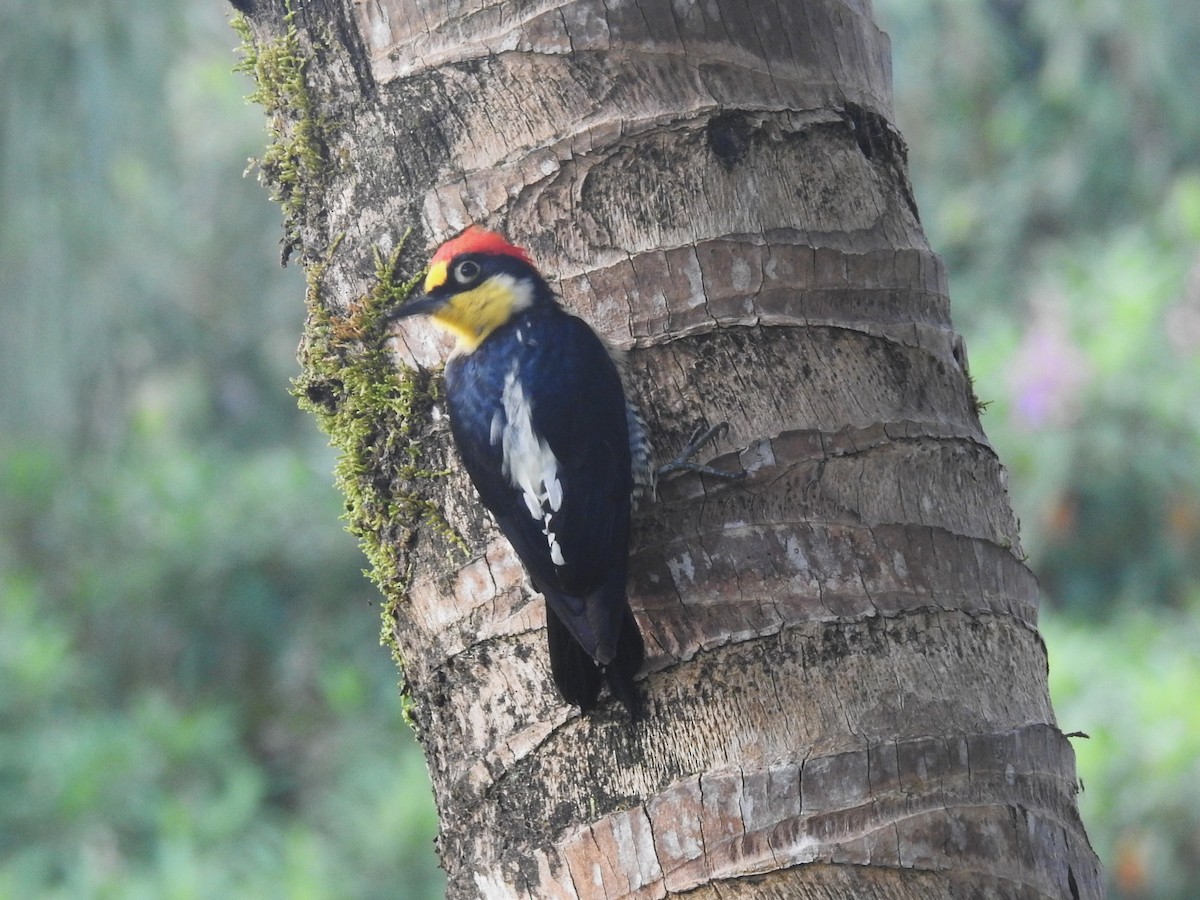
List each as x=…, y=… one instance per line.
x=541, y=420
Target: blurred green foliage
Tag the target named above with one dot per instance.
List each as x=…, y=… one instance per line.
x=1055, y=154
x=1131, y=687
x=192, y=702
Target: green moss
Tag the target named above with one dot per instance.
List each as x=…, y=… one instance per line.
x=978, y=406
x=377, y=415
x=297, y=161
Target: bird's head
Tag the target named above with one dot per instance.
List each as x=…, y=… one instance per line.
x=476, y=282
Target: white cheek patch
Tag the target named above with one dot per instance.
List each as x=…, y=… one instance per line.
x=529, y=463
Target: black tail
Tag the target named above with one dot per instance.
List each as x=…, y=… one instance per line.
x=578, y=676
x=575, y=673
x=625, y=665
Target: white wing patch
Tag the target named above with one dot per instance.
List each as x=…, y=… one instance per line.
x=529, y=463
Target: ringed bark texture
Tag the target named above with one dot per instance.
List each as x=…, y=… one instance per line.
x=846, y=688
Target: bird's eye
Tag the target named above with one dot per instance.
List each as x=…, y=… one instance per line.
x=466, y=271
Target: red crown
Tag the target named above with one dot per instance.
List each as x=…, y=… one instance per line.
x=479, y=240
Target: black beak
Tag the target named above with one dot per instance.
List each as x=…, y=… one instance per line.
x=426, y=303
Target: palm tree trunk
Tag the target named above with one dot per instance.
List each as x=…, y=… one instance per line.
x=846, y=688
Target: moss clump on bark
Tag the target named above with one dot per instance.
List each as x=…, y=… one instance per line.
x=377, y=415
x=297, y=161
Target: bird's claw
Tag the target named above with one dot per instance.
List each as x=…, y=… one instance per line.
x=683, y=462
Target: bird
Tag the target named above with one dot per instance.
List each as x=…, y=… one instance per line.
x=543, y=424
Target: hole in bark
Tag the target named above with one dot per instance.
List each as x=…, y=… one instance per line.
x=729, y=137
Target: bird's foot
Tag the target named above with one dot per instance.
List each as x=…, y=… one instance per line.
x=683, y=462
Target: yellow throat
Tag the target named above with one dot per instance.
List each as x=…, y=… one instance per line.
x=473, y=314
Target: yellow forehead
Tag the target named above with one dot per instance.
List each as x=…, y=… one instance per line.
x=438, y=273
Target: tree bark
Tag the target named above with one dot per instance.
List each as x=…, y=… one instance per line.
x=846, y=688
